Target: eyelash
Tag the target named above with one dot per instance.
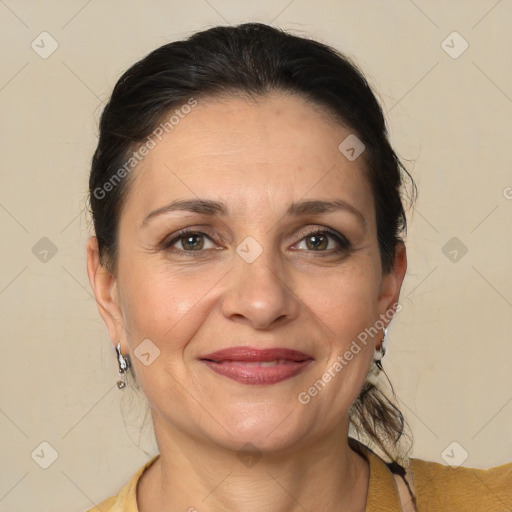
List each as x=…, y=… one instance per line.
x=343, y=243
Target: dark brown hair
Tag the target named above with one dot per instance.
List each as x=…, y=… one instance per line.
x=253, y=59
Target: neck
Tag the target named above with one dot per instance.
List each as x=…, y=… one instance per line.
x=194, y=475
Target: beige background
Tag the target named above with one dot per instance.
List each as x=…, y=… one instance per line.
x=449, y=353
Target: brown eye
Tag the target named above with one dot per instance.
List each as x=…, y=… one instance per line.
x=190, y=241
x=319, y=241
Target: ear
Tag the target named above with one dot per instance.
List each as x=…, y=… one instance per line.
x=391, y=284
x=105, y=289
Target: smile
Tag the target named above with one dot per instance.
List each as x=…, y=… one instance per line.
x=248, y=365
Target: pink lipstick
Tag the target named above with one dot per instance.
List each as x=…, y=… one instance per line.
x=249, y=365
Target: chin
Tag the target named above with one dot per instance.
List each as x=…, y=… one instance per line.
x=257, y=442
x=267, y=429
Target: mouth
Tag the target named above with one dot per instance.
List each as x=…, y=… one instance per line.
x=248, y=365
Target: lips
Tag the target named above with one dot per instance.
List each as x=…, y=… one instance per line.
x=248, y=365
x=256, y=355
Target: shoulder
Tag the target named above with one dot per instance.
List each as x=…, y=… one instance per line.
x=126, y=499
x=441, y=487
x=105, y=506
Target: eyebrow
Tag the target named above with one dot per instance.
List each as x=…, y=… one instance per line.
x=217, y=208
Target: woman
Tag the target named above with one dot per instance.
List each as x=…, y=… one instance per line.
x=247, y=260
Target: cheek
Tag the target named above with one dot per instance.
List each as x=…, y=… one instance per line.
x=345, y=301
x=168, y=307
x=157, y=302
x=345, y=307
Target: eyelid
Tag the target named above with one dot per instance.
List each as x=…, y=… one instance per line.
x=168, y=241
x=323, y=229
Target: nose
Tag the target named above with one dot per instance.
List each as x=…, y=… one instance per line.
x=260, y=293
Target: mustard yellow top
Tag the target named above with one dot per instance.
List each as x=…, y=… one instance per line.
x=438, y=488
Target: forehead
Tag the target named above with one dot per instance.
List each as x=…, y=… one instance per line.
x=247, y=153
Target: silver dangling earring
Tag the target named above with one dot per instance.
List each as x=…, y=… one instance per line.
x=376, y=366
x=379, y=354
x=124, y=363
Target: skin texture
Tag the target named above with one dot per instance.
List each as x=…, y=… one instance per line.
x=257, y=157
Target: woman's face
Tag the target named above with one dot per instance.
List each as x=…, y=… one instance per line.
x=250, y=274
